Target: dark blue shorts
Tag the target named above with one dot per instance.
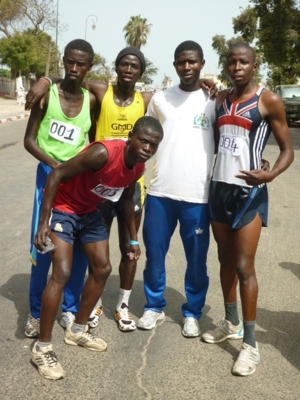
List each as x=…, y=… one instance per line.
x=111, y=209
x=82, y=229
x=237, y=205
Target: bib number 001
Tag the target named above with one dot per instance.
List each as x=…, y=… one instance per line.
x=64, y=132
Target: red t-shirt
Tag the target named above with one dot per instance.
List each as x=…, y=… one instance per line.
x=83, y=192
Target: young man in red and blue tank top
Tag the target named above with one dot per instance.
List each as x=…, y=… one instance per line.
x=103, y=170
x=238, y=195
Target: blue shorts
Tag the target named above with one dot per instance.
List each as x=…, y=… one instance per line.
x=79, y=229
x=237, y=205
x=111, y=209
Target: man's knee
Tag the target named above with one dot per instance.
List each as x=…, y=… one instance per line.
x=100, y=270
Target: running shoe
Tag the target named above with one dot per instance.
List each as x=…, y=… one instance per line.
x=84, y=339
x=150, y=318
x=223, y=331
x=46, y=362
x=125, y=322
x=190, y=327
x=93, y=321
x=247, y=360
x=32, y=328
x=67, y=319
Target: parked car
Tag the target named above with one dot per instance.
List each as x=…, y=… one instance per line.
x=290, y=95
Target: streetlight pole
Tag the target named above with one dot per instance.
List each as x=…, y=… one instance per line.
x=56, y=39
x=94, y=21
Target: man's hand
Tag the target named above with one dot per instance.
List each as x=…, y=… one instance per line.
x=34, y=94
x=40, y=240
x=134, y=253
x=209, y=86
x=255, y=177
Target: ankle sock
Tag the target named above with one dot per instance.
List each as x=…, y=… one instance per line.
x=249, y=333
x=76, y=328
x=231, y=313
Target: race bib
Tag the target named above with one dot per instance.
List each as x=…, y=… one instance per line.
x=66, y=133
x=108, y=193
x=230, y=144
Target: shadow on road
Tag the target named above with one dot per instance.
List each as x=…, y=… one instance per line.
x=293, y=267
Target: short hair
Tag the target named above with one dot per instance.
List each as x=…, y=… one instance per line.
x=189, y=45
x=245, y=46
x=148, y=122
x=82, y=45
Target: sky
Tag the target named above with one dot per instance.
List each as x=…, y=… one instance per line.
x=173, y=21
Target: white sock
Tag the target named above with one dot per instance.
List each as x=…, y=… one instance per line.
x=42, y=344
x=123, y=297
x=76, y=328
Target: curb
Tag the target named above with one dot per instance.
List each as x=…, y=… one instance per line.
x=15, y=118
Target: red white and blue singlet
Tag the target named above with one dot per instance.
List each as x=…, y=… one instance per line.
x=243, y=136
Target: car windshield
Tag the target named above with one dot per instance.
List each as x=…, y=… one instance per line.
x=289, y=92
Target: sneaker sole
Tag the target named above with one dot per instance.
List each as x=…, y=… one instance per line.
x=125, y=328
x=234, y=336
x=32, y=336
x=160, y=318
x=71, y=343
x=190, y=336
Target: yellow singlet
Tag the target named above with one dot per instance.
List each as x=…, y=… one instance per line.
x=115, y=122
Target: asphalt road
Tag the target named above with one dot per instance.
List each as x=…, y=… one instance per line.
x=159, y=364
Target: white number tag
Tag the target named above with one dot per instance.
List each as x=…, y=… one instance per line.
x=64, y=132
x=230, y=144
x=108, y=193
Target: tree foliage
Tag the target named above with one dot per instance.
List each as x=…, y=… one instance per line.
x=149, y=72
x=136, y=31
x=101, y=71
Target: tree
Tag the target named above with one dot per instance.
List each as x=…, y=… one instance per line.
x=149, y=72
x=101, y=71
x=136, y=30
x=165, y=80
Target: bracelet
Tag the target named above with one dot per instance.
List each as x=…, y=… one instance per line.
x=134, y=243
x=46, y=79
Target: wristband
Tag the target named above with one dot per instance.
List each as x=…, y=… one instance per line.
x=46, y=79
x=134, y=243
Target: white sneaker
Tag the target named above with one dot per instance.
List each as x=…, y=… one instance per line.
x=247, y=360
x=190, y=327
x=125, y=322
x=93, y=321
x=46, y=362
x=32, y=327
x=150, y=318
x=223, y=331
x=67, y=319
x=84, y=339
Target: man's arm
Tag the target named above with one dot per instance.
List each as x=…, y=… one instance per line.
x=41, y=87
x=30, y=137
x=272, y=108
x=127, y=207
x=94, y=158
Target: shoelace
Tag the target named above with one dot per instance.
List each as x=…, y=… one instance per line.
x=51, y=358
x=246, y=354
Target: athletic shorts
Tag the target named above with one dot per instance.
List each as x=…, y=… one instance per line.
x=237, y=205
x=79, y=229
x=110, y=209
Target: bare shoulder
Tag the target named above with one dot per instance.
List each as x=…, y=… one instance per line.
x=270, y=103
x=97, y=88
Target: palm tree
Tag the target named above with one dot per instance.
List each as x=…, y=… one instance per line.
x=136, y=30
